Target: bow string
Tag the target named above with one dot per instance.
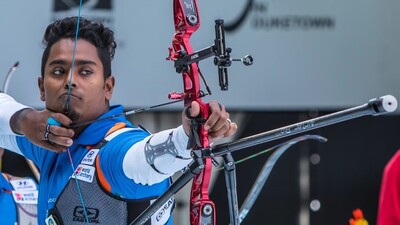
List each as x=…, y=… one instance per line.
x=67, y=109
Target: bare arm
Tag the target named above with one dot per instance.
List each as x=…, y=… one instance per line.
x=18, y=119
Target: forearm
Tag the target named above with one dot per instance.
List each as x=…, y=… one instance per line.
x=10, y=112
x=157, y=157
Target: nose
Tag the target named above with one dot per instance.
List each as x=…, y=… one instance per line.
x=69, y=80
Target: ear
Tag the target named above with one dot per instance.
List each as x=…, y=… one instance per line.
x=41, y=88
x=109, y=87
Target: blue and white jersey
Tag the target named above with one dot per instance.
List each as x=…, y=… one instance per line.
x=124, y=161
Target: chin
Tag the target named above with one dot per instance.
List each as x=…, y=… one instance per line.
x=74, y=116
x=58, y=109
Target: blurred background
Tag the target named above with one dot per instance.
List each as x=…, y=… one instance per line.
x=311, y=58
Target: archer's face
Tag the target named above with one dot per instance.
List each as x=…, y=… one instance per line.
x=89, y=92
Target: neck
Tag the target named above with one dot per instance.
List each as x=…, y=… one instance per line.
x=79, y=126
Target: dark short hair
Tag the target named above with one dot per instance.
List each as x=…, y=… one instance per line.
x=92, y=31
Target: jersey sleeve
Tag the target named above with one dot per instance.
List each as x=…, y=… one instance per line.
x=125, y=164
x=8, y=107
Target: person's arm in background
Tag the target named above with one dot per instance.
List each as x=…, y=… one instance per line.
x=389, y=199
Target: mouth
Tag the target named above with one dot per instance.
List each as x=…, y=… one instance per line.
x=65, y=96
x=69, y=109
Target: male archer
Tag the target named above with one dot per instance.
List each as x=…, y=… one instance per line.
x=116, y=166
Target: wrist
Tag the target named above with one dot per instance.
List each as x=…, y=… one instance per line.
x=18, y=119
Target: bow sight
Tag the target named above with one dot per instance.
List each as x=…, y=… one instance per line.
x=221, y=54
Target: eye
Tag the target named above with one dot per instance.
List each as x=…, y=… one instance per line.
x=86, y=72
x=58, y=71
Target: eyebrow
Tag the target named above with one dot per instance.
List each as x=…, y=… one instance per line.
x=77, y=62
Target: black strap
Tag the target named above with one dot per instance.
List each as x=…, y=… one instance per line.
x=195, y=122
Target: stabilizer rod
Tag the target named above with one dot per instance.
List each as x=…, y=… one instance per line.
x=375, y=107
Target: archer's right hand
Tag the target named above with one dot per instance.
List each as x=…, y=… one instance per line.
x=34, y=125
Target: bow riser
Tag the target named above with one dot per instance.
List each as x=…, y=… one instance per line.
x=186, y=18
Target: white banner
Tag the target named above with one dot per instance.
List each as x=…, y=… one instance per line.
x=308, y=54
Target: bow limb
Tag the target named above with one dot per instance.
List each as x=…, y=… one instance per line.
x=267, y=168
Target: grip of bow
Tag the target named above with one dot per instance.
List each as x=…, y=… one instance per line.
x=187, y=21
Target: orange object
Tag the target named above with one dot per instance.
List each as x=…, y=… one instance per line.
x=358, y=218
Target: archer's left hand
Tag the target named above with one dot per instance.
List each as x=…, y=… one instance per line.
x=217, y=124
